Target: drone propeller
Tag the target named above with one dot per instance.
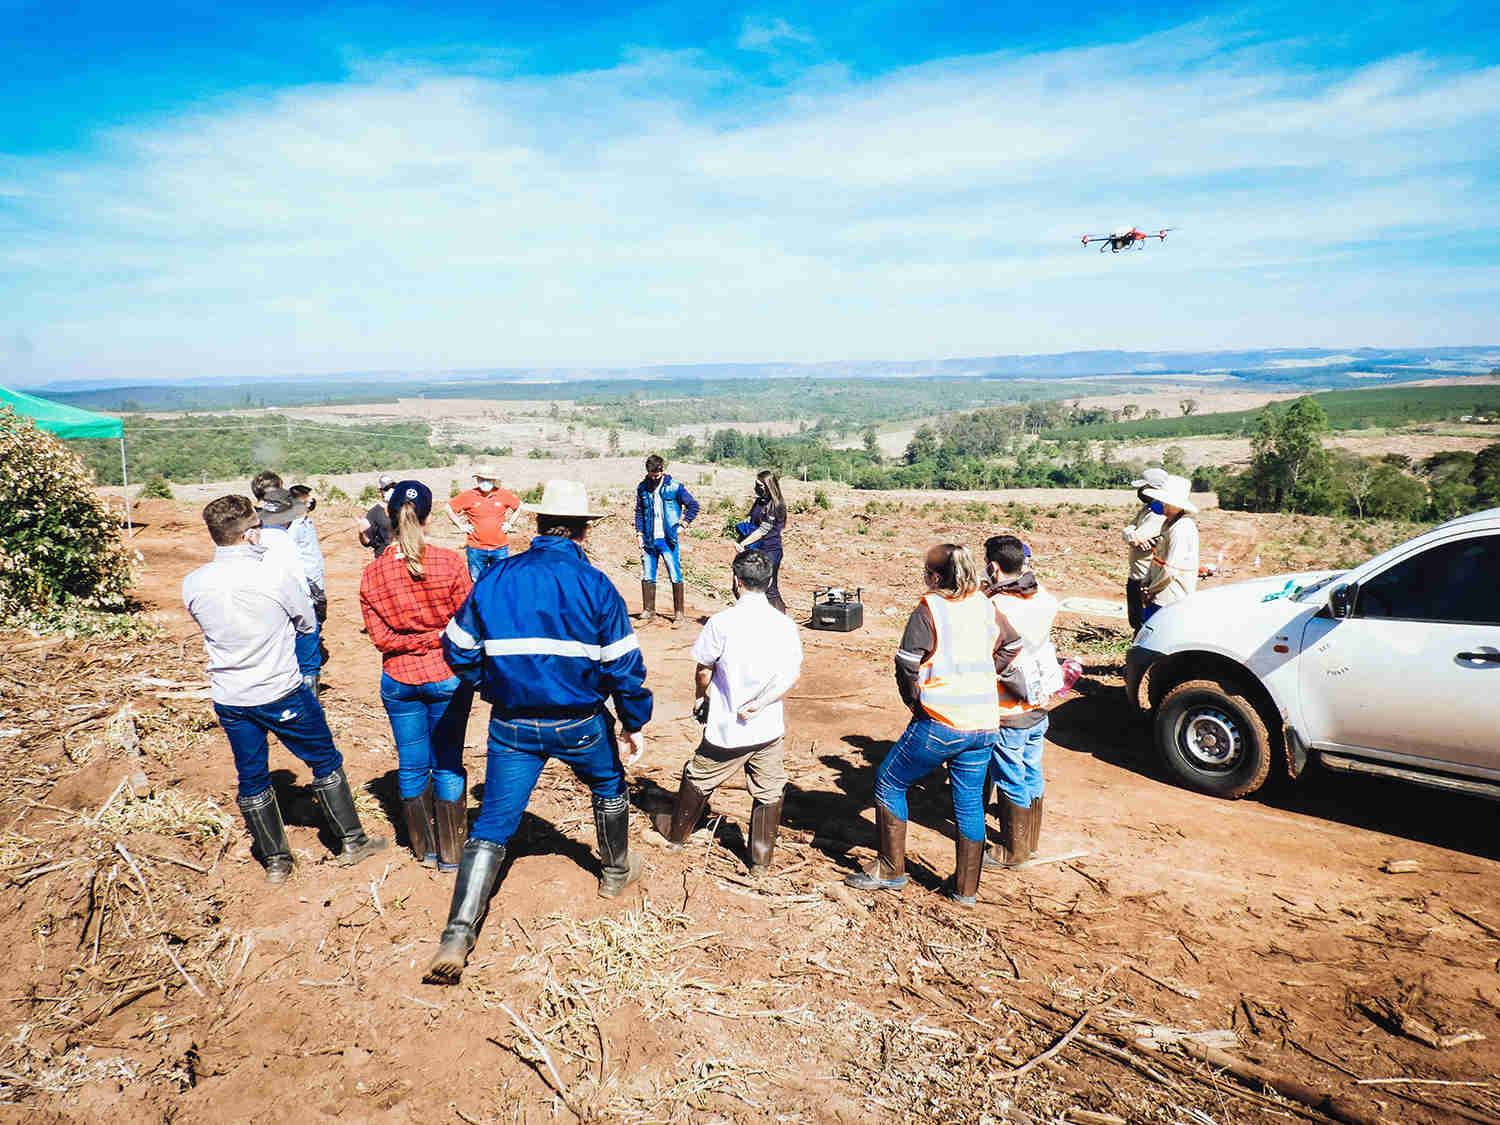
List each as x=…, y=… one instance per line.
x=1162, y=234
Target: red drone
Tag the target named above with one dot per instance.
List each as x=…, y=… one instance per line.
x=1124, y=239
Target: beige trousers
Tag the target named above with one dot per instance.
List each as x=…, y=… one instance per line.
x=765, y=771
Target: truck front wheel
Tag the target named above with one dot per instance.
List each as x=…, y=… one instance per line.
x=1213, y=739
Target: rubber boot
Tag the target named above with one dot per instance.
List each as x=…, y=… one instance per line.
x=679, y=603
x=1014, y=845
x=612, y=824
x=648, y=602
x=452, y=830
x=333, y=796
x=477, y=871
x=417, y=812
x=765, y=820
x=263, y=819
x=888, y=872
x=680, y=823
x=963, y=888
x=1036, y=824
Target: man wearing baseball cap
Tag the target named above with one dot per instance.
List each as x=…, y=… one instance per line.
x=485, y=513
x=547, y=640
x=277, y=509
x=1140, y=536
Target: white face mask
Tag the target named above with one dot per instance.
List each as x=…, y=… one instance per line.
x=486, y=485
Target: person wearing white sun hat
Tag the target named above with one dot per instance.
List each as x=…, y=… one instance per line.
x=1174, y=562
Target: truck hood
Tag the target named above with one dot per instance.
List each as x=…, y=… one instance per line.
x=1223, y=614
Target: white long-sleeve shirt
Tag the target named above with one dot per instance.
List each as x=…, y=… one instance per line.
x=249, y=609
x=1174, y=566
x=305, y=536
x=281, y=551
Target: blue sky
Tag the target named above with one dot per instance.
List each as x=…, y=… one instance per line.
x=189, y=190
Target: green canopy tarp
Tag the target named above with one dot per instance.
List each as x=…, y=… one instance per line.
x=70, y=422
x=64, y=421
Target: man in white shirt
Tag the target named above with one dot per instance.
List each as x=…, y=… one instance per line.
x=277, y=510
x=1174, y=563
x=250, y=611
x=749, y=656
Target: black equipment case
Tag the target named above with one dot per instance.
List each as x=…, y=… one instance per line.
x=838, y=610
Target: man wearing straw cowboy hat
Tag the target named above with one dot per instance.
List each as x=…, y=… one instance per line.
x=1140, y=537
x=1174, y=561
x=547, y=640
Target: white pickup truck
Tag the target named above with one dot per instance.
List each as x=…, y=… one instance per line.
x=1392, y=668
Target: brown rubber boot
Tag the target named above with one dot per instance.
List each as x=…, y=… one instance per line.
x=648, y=602
x=1036, y=824
x=1014, y=845
x=679, y=824
x=417, y=812
x=888, y=872
x=765, y=820
x=679, y=602
x=452, y=831
x=964, y=886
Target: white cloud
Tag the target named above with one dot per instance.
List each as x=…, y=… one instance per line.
x=664, y=210
x=770, y=35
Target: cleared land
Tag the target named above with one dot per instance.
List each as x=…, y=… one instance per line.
x=156, y=976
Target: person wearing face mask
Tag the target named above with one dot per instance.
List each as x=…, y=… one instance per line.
x=1140, y=536
x=663, y=507
x=250, y=612
x=761, y=529
x=375, y=526
x=485, y=513
x=1174, y=562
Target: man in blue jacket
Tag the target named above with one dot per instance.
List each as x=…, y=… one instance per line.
x=662, y=507
x=547, y=641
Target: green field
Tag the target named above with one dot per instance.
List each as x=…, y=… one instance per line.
x=1385, y=407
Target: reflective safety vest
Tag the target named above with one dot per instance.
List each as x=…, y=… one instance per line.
x=1031, y=617
x=956, y=684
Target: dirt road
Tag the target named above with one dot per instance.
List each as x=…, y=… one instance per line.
x=703, y=995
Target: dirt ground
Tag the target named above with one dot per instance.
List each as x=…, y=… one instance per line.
x=157, y=977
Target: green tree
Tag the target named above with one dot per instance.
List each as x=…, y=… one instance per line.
x=614, y=441
x=156, y=488
x=1395, y=495
x=1188, y=406
x=872, y=444
x=1485, y=477
x=923, y=445
x=1174, y=460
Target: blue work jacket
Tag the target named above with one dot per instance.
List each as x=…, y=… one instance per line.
x=544, y=634
x=677, y=505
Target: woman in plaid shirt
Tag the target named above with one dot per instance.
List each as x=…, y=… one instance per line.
x=408, y=596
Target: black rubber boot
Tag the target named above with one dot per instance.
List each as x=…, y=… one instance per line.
x=1036, y=824
x=963, y=888
x=612, y=824
x=679, y=604
x=263, y=819
x=417, y=812
x=333, y=796
x=452, y=831
x=765, y=820
x=1014, y=844
x=477, y=872
x=680, y=823
x=888, y=872
x=648, y=602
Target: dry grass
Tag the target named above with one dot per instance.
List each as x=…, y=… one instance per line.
x=167, y=813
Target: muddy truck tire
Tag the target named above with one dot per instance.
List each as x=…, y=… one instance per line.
x=1213, y=739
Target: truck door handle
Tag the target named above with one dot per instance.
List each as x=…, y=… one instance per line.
x=1481, y=657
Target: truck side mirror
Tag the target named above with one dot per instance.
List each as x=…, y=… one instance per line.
x=1341, y=599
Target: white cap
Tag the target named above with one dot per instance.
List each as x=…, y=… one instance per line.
x=1151, y=478
x=1174, y=492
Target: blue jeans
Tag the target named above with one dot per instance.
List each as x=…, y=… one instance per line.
x=428, y=723
x=297, y=719
x=1016, y=763
x=519, y=748
x=660, y=549
x=925, y=745
x=481, y=560
x=309, y=651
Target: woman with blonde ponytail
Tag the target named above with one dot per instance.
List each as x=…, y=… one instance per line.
x=408, y=595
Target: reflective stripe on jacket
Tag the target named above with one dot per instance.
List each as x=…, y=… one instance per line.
x=956, y=683
x=547, y=635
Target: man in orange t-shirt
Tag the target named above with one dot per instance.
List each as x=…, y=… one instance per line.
x=486, y=513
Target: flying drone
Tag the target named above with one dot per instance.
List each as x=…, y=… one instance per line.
x=1124, y=239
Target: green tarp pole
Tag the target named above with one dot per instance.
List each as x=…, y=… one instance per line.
x=125, y=487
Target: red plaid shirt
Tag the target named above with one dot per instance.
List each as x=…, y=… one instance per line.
x=405, y=618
